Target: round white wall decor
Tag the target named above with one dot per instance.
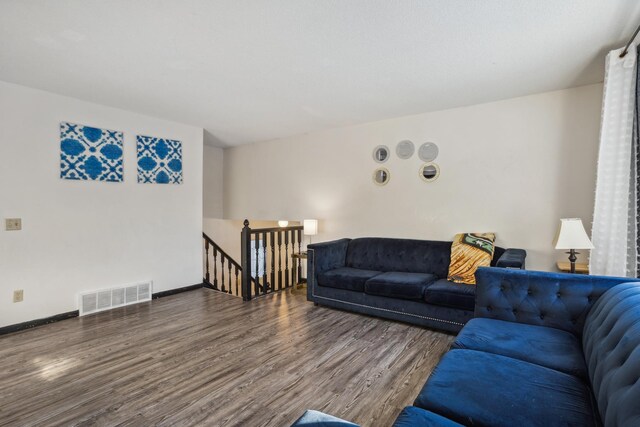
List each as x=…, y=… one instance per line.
x=428, y=152
x=405, y=149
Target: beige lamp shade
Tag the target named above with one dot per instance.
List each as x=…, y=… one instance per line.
x=572, y=235
x=310, y=227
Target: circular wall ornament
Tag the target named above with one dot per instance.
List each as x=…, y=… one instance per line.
x=429, y=172
x=405, y=149
x=381, y=153
x=428, y=152
x=381, y=176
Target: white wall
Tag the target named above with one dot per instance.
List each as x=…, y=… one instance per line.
x=213, y=158
x=514, y=167
x=83, y=235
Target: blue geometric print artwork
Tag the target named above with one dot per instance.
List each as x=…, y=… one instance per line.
x=88, y=153
x=159, y=160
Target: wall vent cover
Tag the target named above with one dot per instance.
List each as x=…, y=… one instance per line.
x=106, y=299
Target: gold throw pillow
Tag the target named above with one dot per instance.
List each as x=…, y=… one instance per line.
x=468, y=252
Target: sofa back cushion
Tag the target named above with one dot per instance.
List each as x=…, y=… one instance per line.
x=611, y=344
x=555, y=300
x=402, y=255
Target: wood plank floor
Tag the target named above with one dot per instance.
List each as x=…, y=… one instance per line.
x=205, y=358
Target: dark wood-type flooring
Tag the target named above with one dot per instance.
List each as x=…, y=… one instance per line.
x=206, y=358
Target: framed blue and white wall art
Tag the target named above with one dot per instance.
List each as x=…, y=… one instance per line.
x=159, y=160
x=90, y=154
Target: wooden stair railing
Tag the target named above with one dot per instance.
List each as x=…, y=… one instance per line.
x=265, y=249
x=226, y=273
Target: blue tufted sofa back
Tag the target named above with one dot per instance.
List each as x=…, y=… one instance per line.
x=556, y=300
x=611, y=343
x=403, y=255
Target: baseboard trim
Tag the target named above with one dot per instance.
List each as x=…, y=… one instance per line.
x=70, y=314
x=38, y=322
x=177, y=291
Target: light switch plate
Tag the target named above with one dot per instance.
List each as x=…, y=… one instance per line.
x=13, y=224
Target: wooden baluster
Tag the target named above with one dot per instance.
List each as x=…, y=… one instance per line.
x=206, y=248
x=215, y=268
x=294, y=269
x=256, y=243
x=286, y=259
x=237, y=293
x=222, y=273
x=264, y=263
x=245, y=260
x=299, y=233
x=230, y=290
x=279, y=259
x=273, y=262
x=294, y=261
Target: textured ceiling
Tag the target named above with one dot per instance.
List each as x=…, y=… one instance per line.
x=256, y=70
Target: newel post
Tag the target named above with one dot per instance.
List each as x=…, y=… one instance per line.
x=245, y=260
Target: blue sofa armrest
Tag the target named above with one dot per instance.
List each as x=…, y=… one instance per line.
x=322, y=257
x=313, y=418
x=512, y=258
x=556, y=300
x=327, y=255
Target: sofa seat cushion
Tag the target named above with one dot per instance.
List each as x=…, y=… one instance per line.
x=549, y=347
x=399, y=285
x=351, y=279
x=412, y=416
x=449, y=294
x=484, y=389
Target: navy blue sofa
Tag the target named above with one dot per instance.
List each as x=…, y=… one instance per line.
x=399, y=279
x=545, y=349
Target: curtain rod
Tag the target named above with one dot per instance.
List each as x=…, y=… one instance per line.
x=633, y=37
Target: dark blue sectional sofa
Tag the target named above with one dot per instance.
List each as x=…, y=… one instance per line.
x=544, y=349
x=399, y=279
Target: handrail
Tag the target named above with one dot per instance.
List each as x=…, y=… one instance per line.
x=224, y=275
x=222, y=252
x=270, y=229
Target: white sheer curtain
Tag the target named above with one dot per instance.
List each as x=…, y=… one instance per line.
x=614, y=217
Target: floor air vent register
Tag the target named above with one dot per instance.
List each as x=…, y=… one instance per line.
x=106, y=299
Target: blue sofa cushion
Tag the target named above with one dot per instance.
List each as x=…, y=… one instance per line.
x=403, y=255
x=484, y=389
x=449, y=294
x=399, y=285
x=351, y=279
x=412, y=416
x=511, y=258
x=549, y=347
x=313, y=418
x=611, y=342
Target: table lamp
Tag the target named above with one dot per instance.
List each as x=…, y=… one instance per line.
x=572, y=236
x=310, y=228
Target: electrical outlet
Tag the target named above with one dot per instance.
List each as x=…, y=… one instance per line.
x=13, y=224
x=18, y=295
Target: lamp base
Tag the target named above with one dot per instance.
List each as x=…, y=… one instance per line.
x=572, y=259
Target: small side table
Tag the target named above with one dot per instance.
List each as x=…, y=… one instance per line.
x=298, y=257
x=565, y=267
